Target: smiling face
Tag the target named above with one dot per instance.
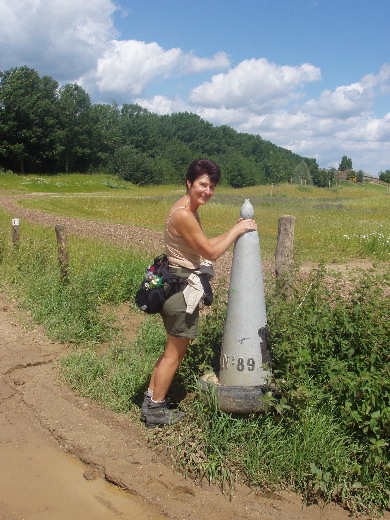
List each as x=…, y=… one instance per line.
x=200, y=190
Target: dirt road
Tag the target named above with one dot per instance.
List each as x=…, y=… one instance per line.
x=60, y=451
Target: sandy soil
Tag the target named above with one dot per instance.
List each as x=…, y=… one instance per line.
x=61, y=453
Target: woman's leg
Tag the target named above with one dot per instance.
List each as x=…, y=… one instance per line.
x=166, y=366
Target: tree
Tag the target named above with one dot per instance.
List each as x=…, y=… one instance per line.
x=359, y=176
x=277, y=169
x=104, y=120
x=239, y=171
x=49, y=129
x=73, y=104
x=345, y=164
x=179, y=156
x=28, y=119
x=301, y=173
x=190, y=129
x=385, y=176
x=139, y=128
x=323, y=178
x=131, y=165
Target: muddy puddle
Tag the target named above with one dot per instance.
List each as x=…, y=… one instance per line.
x=39, y=482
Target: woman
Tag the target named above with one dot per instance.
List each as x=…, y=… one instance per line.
x=185, y=245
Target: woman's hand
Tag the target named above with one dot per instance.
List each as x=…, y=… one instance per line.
x=245, y=224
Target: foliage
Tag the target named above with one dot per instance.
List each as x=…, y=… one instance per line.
x=359, y=176
x=323, y=178
x=69, y=311
x=74, y=128
x=47, y=128
x=117, y=377
x=240, y=171
x=301, y=173
x=385, y=176
x=328, y=433
x=27, y=119
x=345, y=164
x=335, y=348
x=130, y=165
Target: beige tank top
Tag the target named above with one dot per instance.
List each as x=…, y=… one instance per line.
x=179, y=253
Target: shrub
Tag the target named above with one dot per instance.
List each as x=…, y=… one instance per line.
x=130, y=165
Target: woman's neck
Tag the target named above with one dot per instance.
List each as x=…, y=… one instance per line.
x=189, y=204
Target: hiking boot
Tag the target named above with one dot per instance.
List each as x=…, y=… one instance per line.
x=158, y=414
x=146, y=401
x=144, y=407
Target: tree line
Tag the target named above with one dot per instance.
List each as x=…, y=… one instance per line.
x=48, y=128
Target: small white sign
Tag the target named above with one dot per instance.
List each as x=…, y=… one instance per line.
x=15, y=222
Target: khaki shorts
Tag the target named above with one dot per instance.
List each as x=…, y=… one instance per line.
x=176, y=321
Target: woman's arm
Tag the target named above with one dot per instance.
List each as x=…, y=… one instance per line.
x=214, y=241
x=186, y=225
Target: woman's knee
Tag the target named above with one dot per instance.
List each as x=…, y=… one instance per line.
x=176, y=348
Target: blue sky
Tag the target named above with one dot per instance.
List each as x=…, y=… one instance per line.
x=312, y=76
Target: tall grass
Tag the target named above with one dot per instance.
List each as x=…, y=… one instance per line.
x=99, y=274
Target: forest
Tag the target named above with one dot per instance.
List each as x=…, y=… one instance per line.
x=47, y=128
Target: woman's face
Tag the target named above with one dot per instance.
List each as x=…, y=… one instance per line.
x=201, y=190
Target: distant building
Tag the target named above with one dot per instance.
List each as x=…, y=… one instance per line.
x=343, y=175
x=347, y=174
x=371, y=178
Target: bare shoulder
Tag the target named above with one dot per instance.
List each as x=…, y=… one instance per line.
x=180, y=212
x=183, y=222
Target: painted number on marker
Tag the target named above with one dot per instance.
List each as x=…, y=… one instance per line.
x=240, y=363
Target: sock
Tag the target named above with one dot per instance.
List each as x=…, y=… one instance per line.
x=149, y=392
x=157, y=402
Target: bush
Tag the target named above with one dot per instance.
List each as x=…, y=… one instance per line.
x=132, y=166
x=333, y=348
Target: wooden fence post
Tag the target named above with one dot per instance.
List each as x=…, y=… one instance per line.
x=62, y=252
x=15, y=231
x=285, y=245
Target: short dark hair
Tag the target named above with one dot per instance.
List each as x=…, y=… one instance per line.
x=203, y=167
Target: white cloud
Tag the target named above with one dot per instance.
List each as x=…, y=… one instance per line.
x=129, y=66
x=73, y=41
x=338, y=122
x=60, y=38
x=351, y=100
x=162, y=105
x=191, y=64
x=343, y=102
x=256, y=83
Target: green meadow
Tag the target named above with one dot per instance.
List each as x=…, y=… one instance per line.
x=334, y=225
x=326, y=434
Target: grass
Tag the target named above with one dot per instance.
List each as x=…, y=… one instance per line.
x=327, y=436
x=99, y=273
x=333, y=225
x=72, y=183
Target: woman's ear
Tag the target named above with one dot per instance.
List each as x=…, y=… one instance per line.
x=188, y=182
